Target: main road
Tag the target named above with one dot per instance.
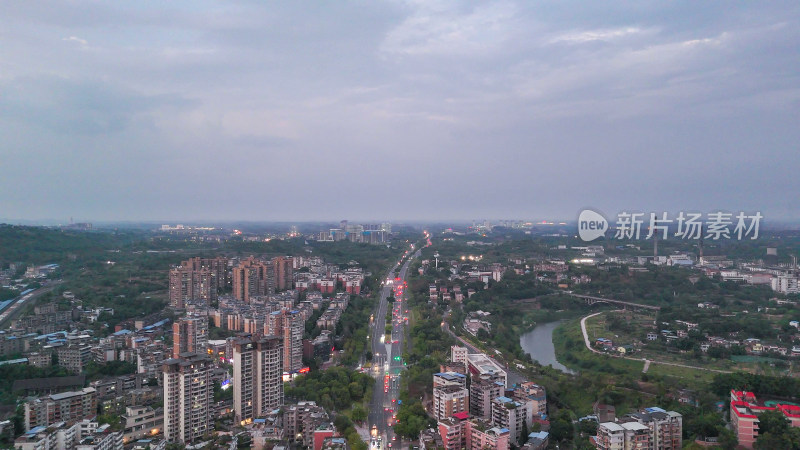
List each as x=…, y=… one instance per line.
x=387, y=363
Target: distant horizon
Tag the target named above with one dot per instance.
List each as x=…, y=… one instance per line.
x=765, y=224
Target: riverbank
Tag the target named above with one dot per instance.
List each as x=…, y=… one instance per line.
x=571, y=350
x=538, y=344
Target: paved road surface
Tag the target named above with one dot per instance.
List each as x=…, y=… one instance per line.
x=387, y=361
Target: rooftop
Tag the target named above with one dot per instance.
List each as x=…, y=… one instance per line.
x=611, y=426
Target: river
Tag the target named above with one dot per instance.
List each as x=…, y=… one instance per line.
x=539, y=344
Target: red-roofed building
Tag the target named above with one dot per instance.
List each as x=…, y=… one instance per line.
x=744, y=416
x=745, y=423
x=461, y=415
x=792, y=412
x=453, y=431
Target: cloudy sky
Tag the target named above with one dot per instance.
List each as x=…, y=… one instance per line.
x=136, y=110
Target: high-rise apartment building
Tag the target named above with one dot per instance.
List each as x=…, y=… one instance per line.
x=189, y=335
x=289, y=325
x=510, y=415
x=283, y=268
x=294, y=326
x=482, y=390
x=449, y=400
x=257, y=377
x=453, y=431
x=253, y=277
x=479, y=364
x=449, y=379
x=197, y=279
x=188, y=394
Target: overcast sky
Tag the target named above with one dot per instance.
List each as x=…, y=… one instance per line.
x=252, y=110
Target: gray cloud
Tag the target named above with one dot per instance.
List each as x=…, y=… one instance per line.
x=407, y=109
x=84, y=106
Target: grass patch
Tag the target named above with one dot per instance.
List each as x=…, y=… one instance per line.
x=572, y=352
x=685, y=373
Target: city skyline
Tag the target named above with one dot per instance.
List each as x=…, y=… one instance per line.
x=412, y=110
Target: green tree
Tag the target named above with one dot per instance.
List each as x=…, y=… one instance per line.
x=772, y=441
x=112, y=419
x=525, y=433
x=727, y=439
x=774, y=432
x=359, y=414
x=772, y=422
x=561, y=430
x=588, y=427
x=412, y=419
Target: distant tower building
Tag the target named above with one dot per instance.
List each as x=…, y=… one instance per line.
x=189, y=335
x=700, y=244
x=188, y=394
x=197, y=279
x=253, y=277
x=283, y=269
x=655, y=244
x=257, y=377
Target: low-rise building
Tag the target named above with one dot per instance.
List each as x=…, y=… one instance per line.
x=141, y=422
x=745, y=409
x=537, y=441
x=61, y=407
x=73, y=435
x=651, y=428
x=482, y=435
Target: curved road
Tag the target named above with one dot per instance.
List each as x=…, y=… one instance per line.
x=647, y=362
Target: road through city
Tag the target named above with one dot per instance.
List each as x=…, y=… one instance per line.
x=387, y=352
